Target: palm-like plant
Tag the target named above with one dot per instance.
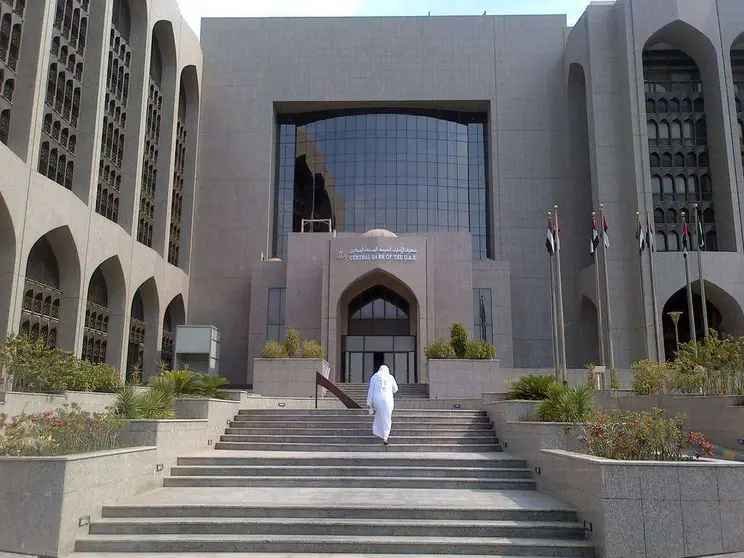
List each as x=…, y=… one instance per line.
x=564, y=404
x=530, y=388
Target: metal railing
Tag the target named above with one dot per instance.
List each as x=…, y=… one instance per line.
x=322, y=381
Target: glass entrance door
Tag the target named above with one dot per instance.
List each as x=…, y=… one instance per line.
x=363, y=356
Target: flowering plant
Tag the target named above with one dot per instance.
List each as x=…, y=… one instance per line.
x=61, y=432
x=646, y=436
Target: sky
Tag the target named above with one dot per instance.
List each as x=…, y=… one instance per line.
x=194, y=10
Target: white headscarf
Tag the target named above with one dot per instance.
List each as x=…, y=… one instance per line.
x=384, y=374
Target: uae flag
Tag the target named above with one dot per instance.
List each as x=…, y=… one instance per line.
x=685, y=237
x=605, y=232
x=651, y=237
x=641, y=237
x=594, y=242
x=550, y=240
x=701, y=238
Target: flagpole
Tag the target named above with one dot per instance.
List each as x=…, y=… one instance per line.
x=600, y=318
x=561, y=321
x=641, y=240
x=700, y=245
x=608, y=306
x=651, y=249
x=553, y=312
x=690, y=308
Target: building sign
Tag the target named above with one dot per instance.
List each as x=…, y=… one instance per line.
x=380, y=253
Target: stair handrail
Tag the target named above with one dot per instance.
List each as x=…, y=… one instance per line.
x=322, y=381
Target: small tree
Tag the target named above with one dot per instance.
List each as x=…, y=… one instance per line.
x=440, y=349
x=459, y=339
x=292, y=344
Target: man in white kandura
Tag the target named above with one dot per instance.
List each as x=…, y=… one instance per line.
x=382, y=386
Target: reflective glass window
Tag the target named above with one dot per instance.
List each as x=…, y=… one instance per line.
x=405, y=171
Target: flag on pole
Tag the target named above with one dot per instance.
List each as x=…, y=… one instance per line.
x=550, y=240
x=557, y=231
x=701, y=239
x=651, y=237
x=685, y=237
x=641, y=236
x=606, y=232
x=594, y=242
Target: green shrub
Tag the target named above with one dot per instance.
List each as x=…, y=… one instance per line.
x=292, y=344
x=459, y=339
x=479, y=350
x=272, y=349
x=440, y=349
x=566, y=404
x=34, y=367
x=312, y=349
x=210, y=386
x=529, y=388
x=649, y=378
x=62, y=432
x=185, y=382
x=643, y=437
x=157, y=402
x=715, y=366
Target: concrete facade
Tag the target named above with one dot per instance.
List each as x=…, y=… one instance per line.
x=567, y=121
x=83, y=239
x=566, y=125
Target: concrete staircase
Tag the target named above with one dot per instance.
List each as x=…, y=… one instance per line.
x=358, y=392
x=316, y=483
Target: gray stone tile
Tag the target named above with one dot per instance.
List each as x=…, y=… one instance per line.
x=623, y=524
x=662, y=521
x=698, y=483
x=702, y=524
x=732, y=520
x=659, y=483
x=731, y=483
x=622, y=482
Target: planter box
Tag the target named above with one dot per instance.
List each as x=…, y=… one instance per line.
x=502, y=412
x=171, y=438
x=651, y=509
x=465, y=379
x=720, y=419
x=14, y=403
x=288, y=377
x=43, y=498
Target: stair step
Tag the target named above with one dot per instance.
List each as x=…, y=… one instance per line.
x=376, y=447
x=369, y=438
x=414, y=413
x=341, y=512
x=352, y=471
x=365, y=460
x=336, y=527
x=306, y=420
x=350, y=482
x=335, y=544
x=361, y=429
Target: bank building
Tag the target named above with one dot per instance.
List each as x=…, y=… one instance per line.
x=368, y=181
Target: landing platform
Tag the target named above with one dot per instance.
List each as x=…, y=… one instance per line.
x=340, y=497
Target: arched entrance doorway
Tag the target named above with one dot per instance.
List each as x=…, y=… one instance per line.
x=378, y=332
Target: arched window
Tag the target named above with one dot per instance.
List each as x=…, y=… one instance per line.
x=4, y=126
x=709, y=216
x=667, y=187
x=666, y=160
x=706, y=187
x=674, y=105
x=691, y=159
x=680, y=185
x=673, y=242
x=650, y=106
x=699, y=105
x=658, y=216
x=688, y=133
x=701, y=132
x=676, y=132
x=679, y=160
x=662, y=106
x=671, y=216
x=703, y=159
x=653, y=133
x=664, y=132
